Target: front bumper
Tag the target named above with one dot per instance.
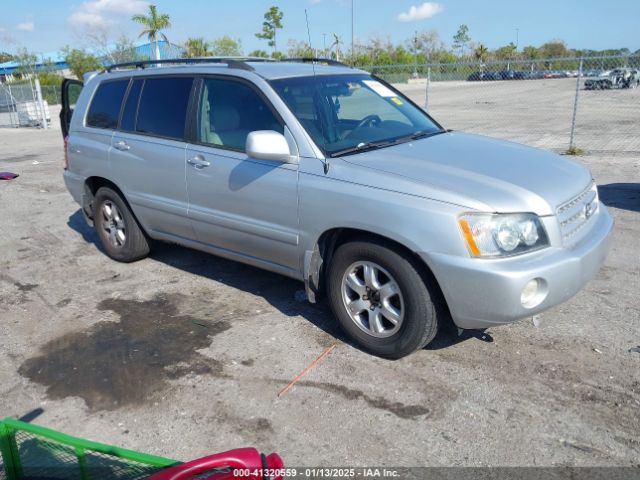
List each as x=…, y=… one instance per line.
x=484, y=292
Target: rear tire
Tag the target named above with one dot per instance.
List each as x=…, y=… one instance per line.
x=120, y=235
x=381, y=300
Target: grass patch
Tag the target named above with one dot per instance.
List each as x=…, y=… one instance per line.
x=576, y=151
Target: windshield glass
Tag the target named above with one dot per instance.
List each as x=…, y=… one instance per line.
x=348, y=113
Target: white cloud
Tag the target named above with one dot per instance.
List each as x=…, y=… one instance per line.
x=25, y=26
x=420, y=12
x=102, y=13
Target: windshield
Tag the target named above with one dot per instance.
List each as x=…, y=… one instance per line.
x=350, y=113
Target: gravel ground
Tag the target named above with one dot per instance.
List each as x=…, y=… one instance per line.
x=183, y=354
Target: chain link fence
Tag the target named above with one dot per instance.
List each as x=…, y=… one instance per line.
x=583, y=104
x=26, y=104
x=591, y=104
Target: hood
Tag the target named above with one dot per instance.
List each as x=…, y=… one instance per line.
x=481, y=172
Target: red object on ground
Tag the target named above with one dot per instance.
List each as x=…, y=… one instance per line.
x=245, y=463
x=8, y=175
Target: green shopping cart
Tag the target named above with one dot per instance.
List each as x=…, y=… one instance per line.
x=31, y=452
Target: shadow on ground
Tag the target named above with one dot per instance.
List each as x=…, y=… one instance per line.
x=277, y=290
x=625, y=196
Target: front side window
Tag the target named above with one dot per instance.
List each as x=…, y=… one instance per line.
x=348, y=113
x=162, y=109
x=105, y=106
x=229, y=110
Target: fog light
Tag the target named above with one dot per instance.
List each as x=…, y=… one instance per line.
x=532, y=293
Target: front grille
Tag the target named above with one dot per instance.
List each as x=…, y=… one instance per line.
x=577, y=215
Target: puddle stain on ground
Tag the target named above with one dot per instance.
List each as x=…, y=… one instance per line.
x=114, y=364
x=397, y=408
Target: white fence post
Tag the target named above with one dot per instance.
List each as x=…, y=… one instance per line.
x=575, y=106
x=43, y=113
x=426, y=97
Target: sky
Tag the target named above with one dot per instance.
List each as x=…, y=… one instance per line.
x=44, y=25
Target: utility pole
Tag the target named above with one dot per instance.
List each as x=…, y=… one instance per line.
x=415, y=56
x=324, y=44
x=353, y=55
x=517, y=37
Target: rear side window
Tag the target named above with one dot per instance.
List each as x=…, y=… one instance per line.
x=163, y=106
x=128, y=121
x=105, y=106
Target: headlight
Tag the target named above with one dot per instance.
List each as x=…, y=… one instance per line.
x=501, y=235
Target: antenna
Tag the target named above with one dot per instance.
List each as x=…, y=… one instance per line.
x=306, y=16
x=313, y=66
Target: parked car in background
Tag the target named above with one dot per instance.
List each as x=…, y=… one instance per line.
x=531, y=75
x=329, y=175
x=506, y=74
x=617, y=78
x=484, y=77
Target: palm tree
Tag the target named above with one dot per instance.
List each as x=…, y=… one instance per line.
x=336, y=43
x=153, y=25
x=196, y=47
x=481, y=54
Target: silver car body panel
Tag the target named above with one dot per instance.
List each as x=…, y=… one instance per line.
x=272, y=214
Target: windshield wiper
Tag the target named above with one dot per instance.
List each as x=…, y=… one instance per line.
x=362, y=147
x=419, y=135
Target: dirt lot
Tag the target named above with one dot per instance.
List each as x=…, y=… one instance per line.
x=183, y=354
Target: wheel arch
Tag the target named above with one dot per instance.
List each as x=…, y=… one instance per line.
x=317, y=259
x=91, y=187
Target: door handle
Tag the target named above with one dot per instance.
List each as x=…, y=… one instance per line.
x=121, y=145
x=198, y=161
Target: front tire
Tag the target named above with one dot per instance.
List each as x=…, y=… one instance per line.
x=120, y=235
x=381, y=300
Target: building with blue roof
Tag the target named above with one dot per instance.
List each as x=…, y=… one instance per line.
x=56, y=61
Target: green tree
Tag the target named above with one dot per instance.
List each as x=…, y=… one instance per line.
x=153, y=24
x=429, y=42
x=196, y=47
x=553, y=49
x=123, y=51
x=272, y=23
x=299, y=49
x=226, y=47
x=259, y=54
x=5, y=57
x=461, y=38
x=506, y=52
x=49, y=78
x=26, y=61
x=481, y=53
x=530, y=52
x=80, y=61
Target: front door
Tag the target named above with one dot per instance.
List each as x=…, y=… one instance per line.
x=238, y=204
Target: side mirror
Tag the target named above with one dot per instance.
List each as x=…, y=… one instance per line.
x=268, y=145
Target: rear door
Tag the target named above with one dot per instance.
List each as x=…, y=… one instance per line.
x=70, y=91
x=148, y=154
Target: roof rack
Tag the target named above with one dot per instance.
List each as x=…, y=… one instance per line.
x=326, y=61
x=234, y=62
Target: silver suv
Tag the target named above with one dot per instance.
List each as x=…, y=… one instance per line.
x=328, y=175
